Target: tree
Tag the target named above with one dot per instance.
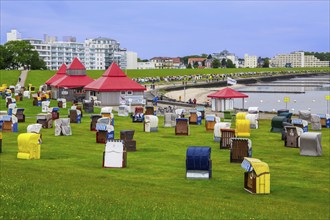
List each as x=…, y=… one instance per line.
x=196, y=65
x=322, y=56
x=209, y=57
x=16, y=54
x=230, y=64
x=223, y=62
x=36, y=63
x=5, y=58
x=189, y=66
x=215, y=63
x=144, y=60
x=266, y=63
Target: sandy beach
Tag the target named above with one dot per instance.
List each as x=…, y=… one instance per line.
x=199, y=93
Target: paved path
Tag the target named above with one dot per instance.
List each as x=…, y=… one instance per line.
x=23, y=76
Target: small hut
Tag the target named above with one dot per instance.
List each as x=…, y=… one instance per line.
x=223, y=99
x=115, y=88
x=71, y=86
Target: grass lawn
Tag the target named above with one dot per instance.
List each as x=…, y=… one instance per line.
x=9, y=77
x=39, y=77
x=68, y=182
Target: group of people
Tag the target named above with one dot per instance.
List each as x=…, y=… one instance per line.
x=192, y=101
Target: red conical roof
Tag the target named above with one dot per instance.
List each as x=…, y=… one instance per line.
x=76, y=65
x=114, y=71
x=114, y=79
x=68, y=81
x=227, y=93
x=59, y=74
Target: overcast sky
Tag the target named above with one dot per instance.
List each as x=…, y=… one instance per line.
x=177, y=28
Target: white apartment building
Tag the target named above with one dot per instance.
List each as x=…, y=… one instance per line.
x=297, y=59
x=131, y=58
x=14, y=35
x=100, y=52
x=95, y=54
x=56, y=53
x=146, y=65
x=250, y=61
x=166, y=63
x=224, y=55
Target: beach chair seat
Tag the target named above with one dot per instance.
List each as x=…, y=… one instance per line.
x=228, y=115
x=257, y=177
x=20, y=114
x=241, y=115
x=182, y=126
x=62, y=127
x=88, y=106
x=217, y=130
x=195, y=117
x=240, y=148
x=28, y=146
x=114, y=155
x=201, y=109
x=311, y=144
x=94, y=119
x=277, y=123
x=305, y=115
x=127, y=137
x=253, y=118
x=169, y=120
x=316, y=122
x=149, y=110
x=105, y=131
x=300, y=123
x=325, y=120
x=150, y=123
x=243, y=128
x=226, y=135
x=210, y=121
x=292, y=136
x=198, y=162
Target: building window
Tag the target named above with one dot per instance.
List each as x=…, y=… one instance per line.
x=122, y=92
x=129, y=92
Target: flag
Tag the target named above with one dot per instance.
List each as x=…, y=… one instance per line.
x=231, y=81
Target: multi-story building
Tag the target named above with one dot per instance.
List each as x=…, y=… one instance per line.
x=220, y=56
x=100, y=52
x=56, y=53
x=297, y=59
x=196, y=60
x=250, y=61
x=146, y=65
x=166, y=62
x=96, y=53
x=131, y=58
x=14, y=35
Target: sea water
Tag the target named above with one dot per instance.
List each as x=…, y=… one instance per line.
x=299, y=93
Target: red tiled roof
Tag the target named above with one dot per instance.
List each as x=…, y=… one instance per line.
x=70, y=81
x=227, y=93
x=76, y=65
x=114, y=79
x=196, y=59
x=59, y=74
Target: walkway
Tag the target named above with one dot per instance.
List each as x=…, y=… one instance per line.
x=23, y=76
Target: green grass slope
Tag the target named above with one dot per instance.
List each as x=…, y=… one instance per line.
x=68, y=182
x=9, y=77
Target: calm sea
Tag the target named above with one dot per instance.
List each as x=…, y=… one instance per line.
x=308, y=93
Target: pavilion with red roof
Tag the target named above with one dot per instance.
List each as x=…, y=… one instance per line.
x=114, y=87
x=223, y=99
x=70, y=86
